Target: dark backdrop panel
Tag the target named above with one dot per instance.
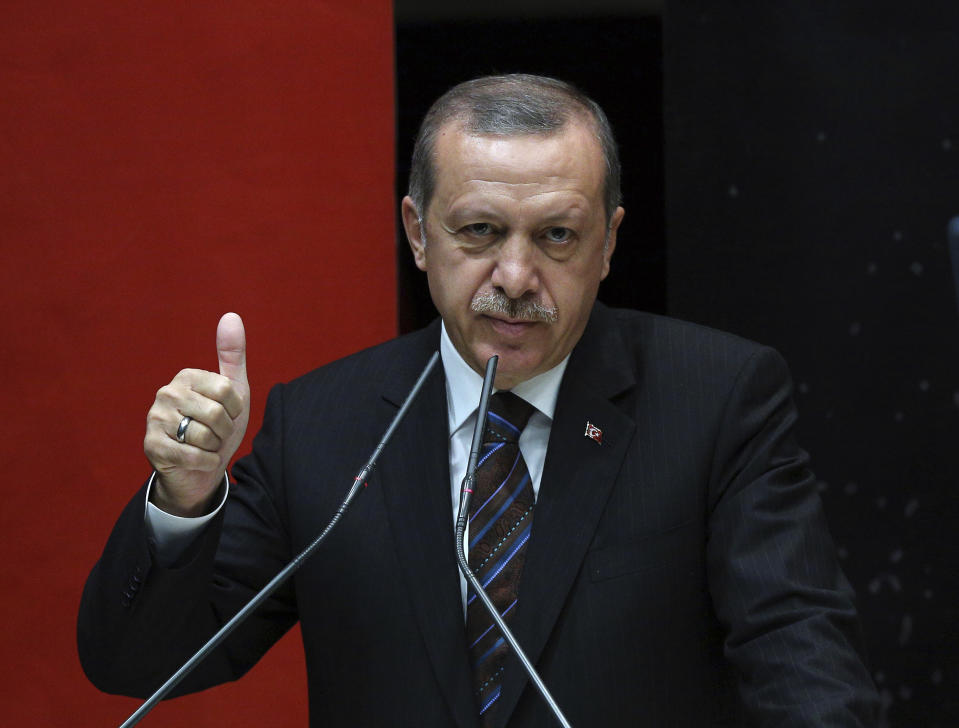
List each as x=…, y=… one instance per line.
x=812, y=165
x=616, y=61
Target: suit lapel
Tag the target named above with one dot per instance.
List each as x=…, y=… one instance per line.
x=414, y=475
x=577, y=478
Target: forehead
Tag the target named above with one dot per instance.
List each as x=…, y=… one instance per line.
x=521, y=165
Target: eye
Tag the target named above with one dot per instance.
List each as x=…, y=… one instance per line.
x=558, y=234
x=479, y=229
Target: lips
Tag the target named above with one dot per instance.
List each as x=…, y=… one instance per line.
x=510, y=327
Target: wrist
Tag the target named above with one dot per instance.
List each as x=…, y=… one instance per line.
x=185, y=504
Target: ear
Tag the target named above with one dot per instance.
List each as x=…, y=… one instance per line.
x=614, y=222
x=414, y=232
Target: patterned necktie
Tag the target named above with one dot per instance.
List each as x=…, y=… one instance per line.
x=501, y=517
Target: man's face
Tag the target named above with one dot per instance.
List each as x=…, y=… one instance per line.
x=514, y=244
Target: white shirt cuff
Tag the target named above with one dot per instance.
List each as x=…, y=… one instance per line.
x=173, y=534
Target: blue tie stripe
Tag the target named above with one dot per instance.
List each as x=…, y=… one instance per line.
x=504, y=422
x=498, y=489
x=488, y=652
x=478, y=639
x=492, y=699
x=491, y=448
x=502, y=563
x=509, y=501
x=492, y=553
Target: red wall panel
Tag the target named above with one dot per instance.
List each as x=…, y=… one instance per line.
x=163, y=163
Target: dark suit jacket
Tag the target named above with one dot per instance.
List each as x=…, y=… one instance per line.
x=679, y=574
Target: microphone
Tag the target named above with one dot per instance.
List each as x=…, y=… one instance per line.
x=952, y=232
x=287, y=571
x=466, y=494
x=466, y=491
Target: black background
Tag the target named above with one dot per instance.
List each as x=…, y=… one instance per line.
x=789, y=172
x=812, y=166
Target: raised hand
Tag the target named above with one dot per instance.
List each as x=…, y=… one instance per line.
x=190, y=470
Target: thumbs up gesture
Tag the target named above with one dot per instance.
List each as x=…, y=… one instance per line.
x=196, y=425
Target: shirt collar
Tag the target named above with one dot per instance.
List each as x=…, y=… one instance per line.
x=463, y=385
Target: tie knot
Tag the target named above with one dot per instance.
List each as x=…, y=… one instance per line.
x=508, y=415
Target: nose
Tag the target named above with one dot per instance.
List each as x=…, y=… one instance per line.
x=515, y=271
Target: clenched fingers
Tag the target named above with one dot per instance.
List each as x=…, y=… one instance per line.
x=167, y=454
x=207, y=397
x=195, y=433
x=220, y=389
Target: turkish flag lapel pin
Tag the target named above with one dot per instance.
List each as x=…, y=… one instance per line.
x=593, y=433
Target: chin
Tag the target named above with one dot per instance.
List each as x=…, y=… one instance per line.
x=515, y=372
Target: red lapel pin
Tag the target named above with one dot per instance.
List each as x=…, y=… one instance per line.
x=593, y=432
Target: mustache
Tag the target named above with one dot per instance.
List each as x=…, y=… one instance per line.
x=525, y=309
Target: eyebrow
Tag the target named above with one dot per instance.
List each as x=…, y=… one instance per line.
x=574, y=213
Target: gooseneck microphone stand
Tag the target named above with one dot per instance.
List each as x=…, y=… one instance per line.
x=277, y=581
x=466, y=494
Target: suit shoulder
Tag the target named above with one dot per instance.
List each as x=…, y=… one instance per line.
x=656, y=327
x=382, y=362
x=683, y=346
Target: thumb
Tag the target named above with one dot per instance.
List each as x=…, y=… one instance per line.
x=231, y=348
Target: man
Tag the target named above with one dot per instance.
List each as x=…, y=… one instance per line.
x=674, y=570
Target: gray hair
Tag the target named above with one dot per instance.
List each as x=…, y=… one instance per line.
x=511, y=105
